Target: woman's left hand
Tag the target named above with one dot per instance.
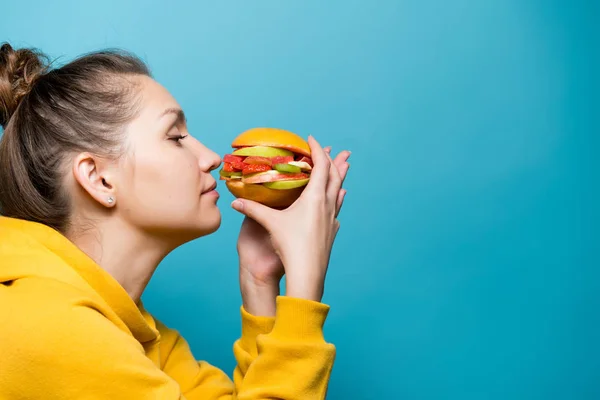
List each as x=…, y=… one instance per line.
x=261, y=268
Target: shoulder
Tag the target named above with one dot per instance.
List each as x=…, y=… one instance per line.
x=44, y=316
x=59, y=341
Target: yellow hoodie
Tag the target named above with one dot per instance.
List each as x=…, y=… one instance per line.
x=68, y=330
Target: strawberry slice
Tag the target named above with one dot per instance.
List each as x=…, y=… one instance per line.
x=238, y=165
x=281, y=159
x=228, y=158
x=252, y=168
x=227, y=167
x=236, y=162
x=257, y=160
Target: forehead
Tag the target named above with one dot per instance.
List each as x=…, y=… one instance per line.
x=155, y=98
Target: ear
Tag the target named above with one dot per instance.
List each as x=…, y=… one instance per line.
x=94, y=176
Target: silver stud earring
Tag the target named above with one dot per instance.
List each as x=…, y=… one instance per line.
x=111, y=200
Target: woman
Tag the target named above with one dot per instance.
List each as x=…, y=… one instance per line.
x=99, y=181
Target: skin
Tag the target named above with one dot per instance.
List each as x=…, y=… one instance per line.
x=161, y=198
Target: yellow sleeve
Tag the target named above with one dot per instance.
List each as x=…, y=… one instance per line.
x=199, y=379
x=244, y=348
x=294, y=361
x=285, y=358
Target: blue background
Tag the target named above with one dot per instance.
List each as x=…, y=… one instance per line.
x=467, y=264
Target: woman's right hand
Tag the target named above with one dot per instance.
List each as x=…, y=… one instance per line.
x=303, y=234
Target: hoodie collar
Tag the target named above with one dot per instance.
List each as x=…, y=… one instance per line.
x=137, y=319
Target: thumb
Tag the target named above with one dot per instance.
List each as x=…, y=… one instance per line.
x=252, y=209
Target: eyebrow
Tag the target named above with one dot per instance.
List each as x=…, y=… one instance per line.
x=181, y=118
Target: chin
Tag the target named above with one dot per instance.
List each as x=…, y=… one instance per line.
x=192, y=228
x=208, y=222
x=213, y=225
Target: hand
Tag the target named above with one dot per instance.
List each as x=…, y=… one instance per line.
x=303, y=234
x=258, y=260
x=261, y=269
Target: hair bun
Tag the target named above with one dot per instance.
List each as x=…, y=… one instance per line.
x=19, y=69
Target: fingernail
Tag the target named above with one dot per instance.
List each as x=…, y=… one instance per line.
x=237, y=205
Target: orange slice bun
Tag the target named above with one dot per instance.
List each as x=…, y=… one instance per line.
x=272, y=137
x=262, y=194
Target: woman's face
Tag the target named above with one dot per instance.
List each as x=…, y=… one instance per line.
x=164, y=186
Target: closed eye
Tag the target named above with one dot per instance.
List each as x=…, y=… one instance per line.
x=177, y=138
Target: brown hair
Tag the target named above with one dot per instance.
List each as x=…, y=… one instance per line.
x=48, y=114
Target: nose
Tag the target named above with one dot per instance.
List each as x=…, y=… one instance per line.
x=208, y=160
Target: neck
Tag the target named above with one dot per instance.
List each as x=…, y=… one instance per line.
x=128, y=255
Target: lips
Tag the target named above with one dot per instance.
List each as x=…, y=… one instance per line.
x=211, y=187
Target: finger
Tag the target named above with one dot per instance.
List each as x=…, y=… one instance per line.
x=342, y=157
x=341, y=162
x=319, y=175
x=335, y=182
x=344, y=171
x=340, y=201
x=337, y=226
x=260, y=213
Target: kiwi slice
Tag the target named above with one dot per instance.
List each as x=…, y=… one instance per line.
x=228, y=174
x=287, y=168
x=262, y=151
x=283, y=185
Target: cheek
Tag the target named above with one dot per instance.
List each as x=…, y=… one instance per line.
x=163, y=184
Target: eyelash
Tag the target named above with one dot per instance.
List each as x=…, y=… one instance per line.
x=178, y=138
